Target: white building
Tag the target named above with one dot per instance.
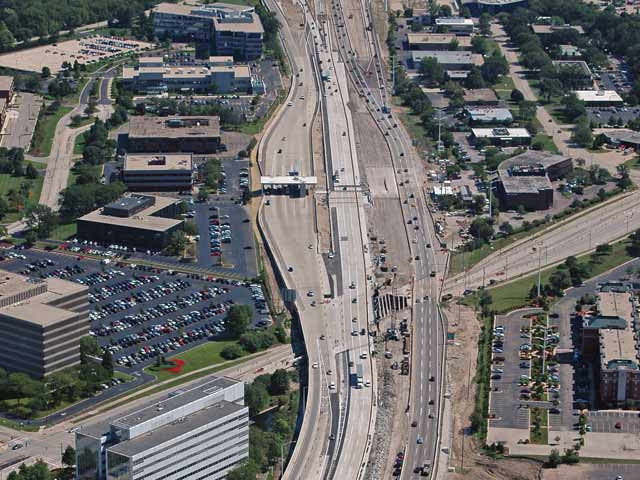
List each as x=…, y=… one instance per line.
x=195, y=433
x=599, y=98
x=158, y=171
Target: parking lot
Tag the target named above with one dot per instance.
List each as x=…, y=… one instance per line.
x=139, y=312
x=605, y=421
x=610, y=115
x=90, y=49
x=507, y=370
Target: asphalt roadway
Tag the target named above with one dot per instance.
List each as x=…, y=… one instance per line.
x=575, y=236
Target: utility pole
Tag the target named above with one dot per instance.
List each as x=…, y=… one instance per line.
x=539, y=253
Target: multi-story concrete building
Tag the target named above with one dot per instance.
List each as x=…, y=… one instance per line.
x=200, y=432
x=618, y=368
x=158, y=171
x=41, y=323
x=233, y=29
x=502, y=136
x=216, y=76
x=525, y=180
x=172, y=134
x=454, y=60
x=143, y=221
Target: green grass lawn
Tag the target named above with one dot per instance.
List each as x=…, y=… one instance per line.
x=9, y=182
x=633, y=162
x=78, y=146
x=97, y=169
x=199, y=357
x=45, y=131
x=541, y=437
x=546, y=141
x=514, y=294
x=64, y=231
x=505, y=83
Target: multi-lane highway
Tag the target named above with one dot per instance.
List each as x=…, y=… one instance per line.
x=575, y=236
x=335, y=437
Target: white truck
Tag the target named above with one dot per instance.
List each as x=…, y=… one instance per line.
x=359, y=375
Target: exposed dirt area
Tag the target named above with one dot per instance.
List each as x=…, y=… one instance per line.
x=235, y=141
x=461, y=367
x=293, y=12
x=391, y=422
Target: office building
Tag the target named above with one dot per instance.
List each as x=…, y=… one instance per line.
x=546, y=29
x=476, y=7
x=502, y=136
x=454, y=60
x=232, y=29
x=437, y=41
x=216, y=76
x=41, y=323
x=457, y=25
x=195, y=433
x=622, y=136
x=525, y=180
x=142, y=221
x=617, y=365
x=158, y=171
x=580, y=78
x=172, y=134
x=599, y=98
x=489, y=115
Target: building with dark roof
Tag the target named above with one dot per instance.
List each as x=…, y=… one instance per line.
x=493, y=6
x=581, y=73
x=143, y=221
x=525, y=180
x=189, y=134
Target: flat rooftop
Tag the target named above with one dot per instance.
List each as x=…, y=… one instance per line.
x=438, y=39
x=578, y=64
x=598, y=96
x=220, y=59
x=615, y=304
x=500, y=132
x=621, y=135
x=143, y=220
x=489, y=114
x=546, y=29
x=617, y=345
x=174, y=400
x=546, y=159
x=480, y=95
x=228, y=25
x=155, y=162
x=447, y=57
x=177, y=428
x=32, y=311
x=173, y=127
x=454, y=21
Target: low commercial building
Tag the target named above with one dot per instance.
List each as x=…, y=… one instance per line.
x=197, y=432
x=191, y=134
x=546, y=29
x=502, y=136
x=437, y=41
x=457, y=25
x=622, y=136
x=232, y=29
x=618, y=367
x=525, y=180
x=570, y=51
x=581, y=73
x=480, y=96
x=493, y=6
x=216, y=77
x=6, y=87
x=489, y=115
x=143, y=221
x=599, y=98
x=41, y=323
x=158, y=171
x=454, y=60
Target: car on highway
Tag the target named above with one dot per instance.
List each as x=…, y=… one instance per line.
x=420, y=440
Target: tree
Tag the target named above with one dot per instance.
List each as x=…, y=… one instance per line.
x=190, y=228
x=485, y=24
x=69, y=457
x=431, y=71
x=560, y=280
x=573, y=107
x=516, y=95
x=479, y=45
x=107, y=362
x=550, y=87
x=478, y=204
x=582, y=134
x=31, y=172
x=177, y=243
x=41, y=219
x=46, y=72
x=256, y=397
x=570, y=457
x=247, y=471
x=231, y=352
x=506, y=228
x=89, y=346
x=279, y=384
x=7, y=40
x=203, y=195
x=493, y=67
x=481, y=228
x=238, y=320
x=280, y=333
x=4, y=208
x=527, y=110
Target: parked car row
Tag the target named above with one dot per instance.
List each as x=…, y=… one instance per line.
x=99, y=277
